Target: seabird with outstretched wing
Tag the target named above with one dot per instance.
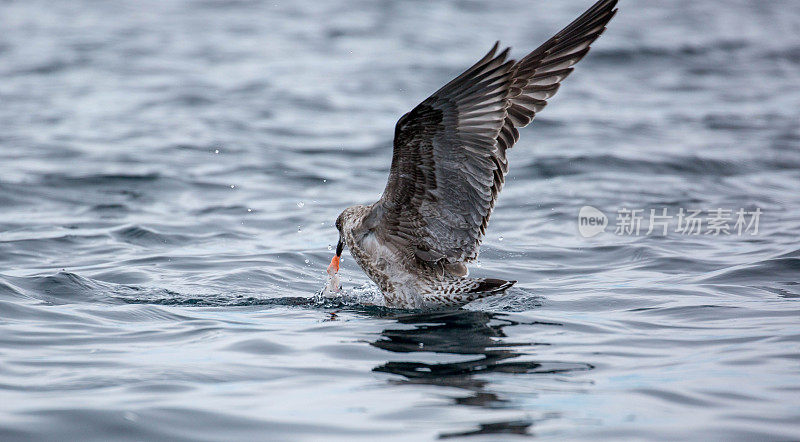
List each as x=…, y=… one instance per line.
x=448, y=166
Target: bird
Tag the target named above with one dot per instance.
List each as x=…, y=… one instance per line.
x=448, y=167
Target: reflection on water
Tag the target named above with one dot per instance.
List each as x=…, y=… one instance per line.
x=470, y=333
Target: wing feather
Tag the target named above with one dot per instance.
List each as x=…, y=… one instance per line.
x=449, y=159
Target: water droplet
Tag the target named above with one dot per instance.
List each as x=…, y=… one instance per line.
x=249, y=210
x=330, y=247
x=301, y=204
x=216, y=151
x=232, y=186
x=299, y=229
x=324, y=181
x=307, y=261
x=500, y=238
x=478, y=264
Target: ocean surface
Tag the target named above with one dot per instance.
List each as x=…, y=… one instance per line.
x=170, y=172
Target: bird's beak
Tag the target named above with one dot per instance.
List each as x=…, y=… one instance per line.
x=334, y=266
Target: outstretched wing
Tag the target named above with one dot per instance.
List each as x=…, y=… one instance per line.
x=449, y=161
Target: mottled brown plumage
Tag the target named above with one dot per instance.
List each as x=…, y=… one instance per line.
x=449, y=165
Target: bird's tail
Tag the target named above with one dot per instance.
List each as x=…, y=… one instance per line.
x=459, y=291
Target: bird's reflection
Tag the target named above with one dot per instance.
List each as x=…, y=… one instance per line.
x=460, y=332
x=463, y=332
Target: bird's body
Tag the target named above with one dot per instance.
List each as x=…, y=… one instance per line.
x=404, y=281
x=448, y=166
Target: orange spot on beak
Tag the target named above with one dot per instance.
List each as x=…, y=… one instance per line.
x=334, y=266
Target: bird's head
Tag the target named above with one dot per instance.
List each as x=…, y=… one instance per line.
x=345, y=223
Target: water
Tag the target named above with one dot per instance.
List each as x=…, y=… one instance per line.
x=170, y=172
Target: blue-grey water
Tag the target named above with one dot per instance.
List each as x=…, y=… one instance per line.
x=170, y=172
